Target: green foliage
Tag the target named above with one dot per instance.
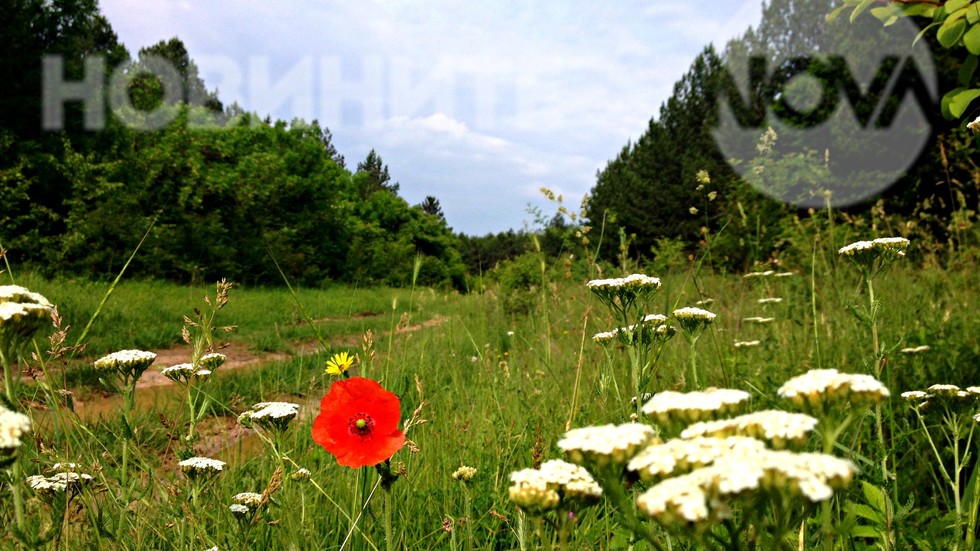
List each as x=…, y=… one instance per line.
x=957, y=26
x=650, y=188
x=224, y=188
x=521, y=281
x=498, y=391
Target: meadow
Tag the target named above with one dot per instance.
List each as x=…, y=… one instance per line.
x=484, y=387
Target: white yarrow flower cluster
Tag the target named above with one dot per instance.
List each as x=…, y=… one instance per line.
x=759, y=319
x=211, y=361
x=530, y=490
x=248, y=499
x=781, y=429
x=915, y=349
x=688, y=407
x=820, y=388
x=201, y=466
x=556, y=483
x=630, y=281
x=270, y=415
x=950, y=396
x=606, y=444
x=179, y=373
x=704, y=494
x=856, y=248
x=769, y=300
x=915, y=395
x=605, y=337
x=67, y=481
x=867, y=253
x=23, y=295
x=13, y=426
x=676, y=501
x=692, y=313
x=693, y=320
x=746, y=344
x=464, y=474
x=127, y=363
x=625, y=290
x=892, y=244
x=679, y=456
x=651, y=328
x=22, y=314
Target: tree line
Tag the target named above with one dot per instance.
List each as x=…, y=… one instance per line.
x=209, y=203
x=673, y=186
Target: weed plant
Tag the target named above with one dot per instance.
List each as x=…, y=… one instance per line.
x=491, y=392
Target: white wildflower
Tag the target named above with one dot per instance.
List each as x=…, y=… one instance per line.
x=249, y=499
x=747, y=344
x=211, y=361
x=271, y=415
x=677, y=500
x=606, y=444
x=856, y=248
x=532, y=491
x=126, y=363
x=817, y=388
x=759, y=319
x=178, y=373
x=895, y=245
x=464, y=474
x=679, y=456
x=13, y=427
x=201, y=466
x=688, y=407
x=779, y=428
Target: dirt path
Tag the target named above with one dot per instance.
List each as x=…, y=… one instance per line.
x=238, y=355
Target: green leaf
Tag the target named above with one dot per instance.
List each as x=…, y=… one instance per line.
x=875, y=496
x=865, y=4
x=921, y=10
x=959, y=99
x=835, y=14
x=866, y=512
x=967, y=69
x=972, y=40
x=866, y=532
x=973, y=13
x=923, y=33
x=953, y=5
x=888, y=14
x=950, y=32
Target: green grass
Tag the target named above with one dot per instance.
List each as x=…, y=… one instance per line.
x=498, y=390
x=149, y=314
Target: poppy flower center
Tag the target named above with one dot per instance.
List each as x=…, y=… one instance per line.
x=361, y=425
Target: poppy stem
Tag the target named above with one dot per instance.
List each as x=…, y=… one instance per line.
x=358, y=510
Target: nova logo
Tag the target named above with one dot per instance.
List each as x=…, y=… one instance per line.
x=838, y=118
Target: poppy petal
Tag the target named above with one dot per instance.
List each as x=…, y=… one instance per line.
x=358, y=423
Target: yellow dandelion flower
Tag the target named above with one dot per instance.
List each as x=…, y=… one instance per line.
x=340, y=363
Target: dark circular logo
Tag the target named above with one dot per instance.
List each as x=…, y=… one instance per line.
x=831, y=112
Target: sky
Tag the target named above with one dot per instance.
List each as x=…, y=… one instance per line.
x=479, y=104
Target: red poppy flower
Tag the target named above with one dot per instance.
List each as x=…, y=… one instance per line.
x=358, y=423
